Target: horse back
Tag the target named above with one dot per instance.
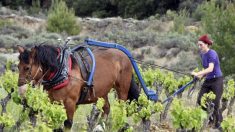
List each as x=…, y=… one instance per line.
x=113, y=60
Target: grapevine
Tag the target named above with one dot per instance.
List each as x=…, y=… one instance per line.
x=228, y=124
x=186, y=117
x=50, y=115
x=229, y=91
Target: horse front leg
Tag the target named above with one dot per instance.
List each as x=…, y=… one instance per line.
x=70, y=106
x=106, y=108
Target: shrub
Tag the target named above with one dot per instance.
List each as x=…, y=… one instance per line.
x=50, y=38
x=185, y=62
x=61, y=19
x=4, y=23
x=175, y=40
x=35, y=8
x=15, y=31
x=180, y=21
x=7, y=41
x=228, y=124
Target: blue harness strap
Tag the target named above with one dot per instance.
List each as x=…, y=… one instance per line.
x=150, y=93
x=87, y=70
x=179, y=90
x=93, y=65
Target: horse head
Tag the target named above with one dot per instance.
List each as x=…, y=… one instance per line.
x=34, y=64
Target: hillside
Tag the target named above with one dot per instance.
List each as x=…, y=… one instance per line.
x=150, y=40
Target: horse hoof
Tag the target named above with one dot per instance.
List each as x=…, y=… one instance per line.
x=68, y=123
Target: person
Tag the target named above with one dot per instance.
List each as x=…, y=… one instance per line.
x=213, y=76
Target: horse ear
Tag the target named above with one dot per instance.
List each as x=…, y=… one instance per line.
x=21, y=49
x=33, y=52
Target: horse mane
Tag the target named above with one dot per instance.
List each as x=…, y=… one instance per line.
x=25, y=56
x=46, y=55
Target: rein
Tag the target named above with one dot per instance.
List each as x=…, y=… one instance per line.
x=39, y=69
x=33, y=78
x=161, y=67
x=33, y=82
x=41, y=79
x=153, y=65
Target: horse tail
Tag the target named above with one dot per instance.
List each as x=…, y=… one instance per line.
x=134, y=91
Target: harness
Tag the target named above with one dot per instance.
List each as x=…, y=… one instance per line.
x=59, y=78
x=83, y=64
x=87, y=71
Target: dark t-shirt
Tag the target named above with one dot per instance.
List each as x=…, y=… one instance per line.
x=211, y=57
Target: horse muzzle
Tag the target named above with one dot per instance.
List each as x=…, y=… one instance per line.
x=22, y=89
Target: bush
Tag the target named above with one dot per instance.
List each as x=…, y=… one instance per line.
x=49, y=38
x=185, y=62
x=15, y=31
x=4, y=23
x=175, y=40
x=7, y=41
x=61, y=19
x=180, y=21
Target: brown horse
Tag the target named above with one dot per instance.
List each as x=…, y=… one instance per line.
x=113, y=70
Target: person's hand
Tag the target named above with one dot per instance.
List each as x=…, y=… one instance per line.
x=195, y=74
x=200, y=77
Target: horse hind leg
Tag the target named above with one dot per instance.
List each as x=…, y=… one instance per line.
x=122, y=86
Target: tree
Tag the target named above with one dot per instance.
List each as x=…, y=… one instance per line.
x=61, y=19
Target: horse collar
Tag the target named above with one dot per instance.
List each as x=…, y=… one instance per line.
x=59, y=78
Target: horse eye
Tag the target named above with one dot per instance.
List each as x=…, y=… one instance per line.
x=26, y=68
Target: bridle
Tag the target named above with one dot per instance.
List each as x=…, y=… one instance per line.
x=32, y=79
x=39, y=69
x=54, y=79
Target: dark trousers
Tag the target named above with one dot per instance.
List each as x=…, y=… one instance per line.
x=216, y=86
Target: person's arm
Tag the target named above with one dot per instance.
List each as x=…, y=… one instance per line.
x=203, y=73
